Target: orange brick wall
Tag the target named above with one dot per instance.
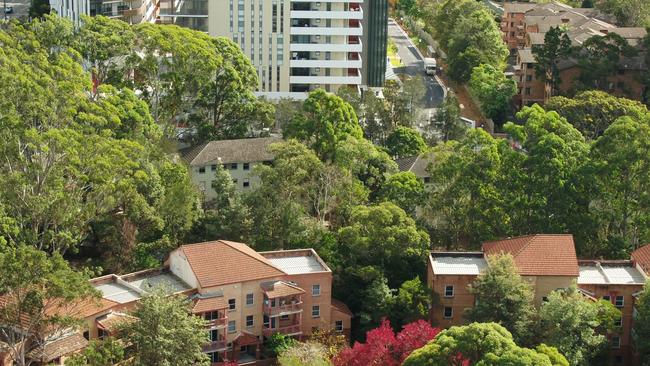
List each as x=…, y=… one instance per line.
x=461, y=300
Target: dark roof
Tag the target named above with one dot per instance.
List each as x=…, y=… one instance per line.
x=416, y=164
x=230, y=151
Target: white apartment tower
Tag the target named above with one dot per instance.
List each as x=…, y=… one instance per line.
x=295, y=45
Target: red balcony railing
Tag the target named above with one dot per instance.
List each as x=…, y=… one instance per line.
x=214, y=346
x=286, y=308
x=217, y=323
x=291, y=329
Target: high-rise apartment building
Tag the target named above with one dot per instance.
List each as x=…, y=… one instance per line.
x=296, y=45
x=130, y=11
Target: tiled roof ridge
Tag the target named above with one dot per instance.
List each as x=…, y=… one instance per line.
x=530, y=238
x=229, y=243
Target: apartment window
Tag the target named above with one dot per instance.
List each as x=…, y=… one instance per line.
x=235, y=181
x=232, y=326
x=616, y=342
x=448, y=312
x=231, y=18
x=240, y=15
x=247, y=166
x=249, y=321
x=101, y=333
x=315, y=311
x=619, y=321
x=202, y=170
x=232, y=304
x=281, y=16
x=619, y=301
x=233, y=166
x=449, y=291
x=274, y=18
x=315, y=290
x=607, y=298
x=529, y=77
x=213, y=167
x=246, y=183
x=527, y=91
x=211, y=315
x=338, y=326
x=250, y=299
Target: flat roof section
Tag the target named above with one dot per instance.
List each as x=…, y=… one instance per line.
x=297, y=264
x=116, y=292
x=166, y=280
x=612, y=275
x=458, y=263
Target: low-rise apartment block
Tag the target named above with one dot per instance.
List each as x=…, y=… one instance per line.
x=524, y=25
x=244, y=296
x=547, y=262
x=238, y=157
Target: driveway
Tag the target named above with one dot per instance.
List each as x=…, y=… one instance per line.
x=414, y=65
x=21, y=8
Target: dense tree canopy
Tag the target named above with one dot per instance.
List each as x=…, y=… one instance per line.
x=642, y=326
x=404, y=141
x=493, y=90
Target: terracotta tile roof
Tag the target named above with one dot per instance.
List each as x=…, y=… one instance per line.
x=60, y=347
x=209, y=304
x=281, y=289
x=222, y=262
x=539, y=255
x=341, y=307
x=641, y=257
x=111, y=320
x=246, y=339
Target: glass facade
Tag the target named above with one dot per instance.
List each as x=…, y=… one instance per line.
x=376, y=28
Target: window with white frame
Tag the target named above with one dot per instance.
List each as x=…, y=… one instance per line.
x=448, y=312
x=315, y=290
x=249, y=321
x=338, y=325
x=616, y=342
x=250, y=299
x=619, y=301
x=232, y=304
x=315, y=311
x=232, y=326
x=449, y=291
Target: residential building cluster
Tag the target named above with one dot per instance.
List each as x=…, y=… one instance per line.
x=524, y=25
x=244, y=296
x=547, y=262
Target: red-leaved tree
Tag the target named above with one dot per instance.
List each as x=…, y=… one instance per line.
x=384, y=348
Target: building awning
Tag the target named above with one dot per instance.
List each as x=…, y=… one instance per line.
x=209, y=304
x=246, y=339
x=281, y=289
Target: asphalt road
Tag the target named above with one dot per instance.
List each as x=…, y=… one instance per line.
x=21, y=8
x=414, y=65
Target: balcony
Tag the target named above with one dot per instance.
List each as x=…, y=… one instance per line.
x=324, y=14
x=328, y=1
x=215, y=346
x=356, y=64
x=283, y=309
x=336, y=80
x=327, y=31
x=288, y=330
x=217, y=323
x=326, y=47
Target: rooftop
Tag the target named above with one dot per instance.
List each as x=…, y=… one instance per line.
x=540, y=254
x=131, y=287
x=237, y=262
x=526, y=55
x=597, y=273
x=416, y=164
x=641, y=257
x=296, y=261
x=230, y=151
x=457, y=263
x=275, y=289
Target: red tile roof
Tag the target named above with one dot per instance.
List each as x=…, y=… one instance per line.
x=540, y=254
x=60, y=347
x=209, y=304
x=222, y=262
x=641, y=257
x=340, y=307
x=281, y=289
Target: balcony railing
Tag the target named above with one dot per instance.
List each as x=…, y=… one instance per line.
x=217, y=323
x=215, y=346
x=283, y=309
x=288, y=330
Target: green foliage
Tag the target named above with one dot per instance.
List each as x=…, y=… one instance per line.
x=556, y=47
x=39, y=8
x=412, y=302
x=592, y=112
x=404, y=189
x=469, y=34
x=599, y=58
x=304, y=354
x=447, y=120
x=165, y=333
x=629, y=13
x=570, y=323
x=480, y=344
x=642, y=326
x=503, y=297
x=39, y=292
x=404, y=141
x=403, y=102
x=105, y=352
x=326, y=120
x=493, y=90
x=278, y=343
